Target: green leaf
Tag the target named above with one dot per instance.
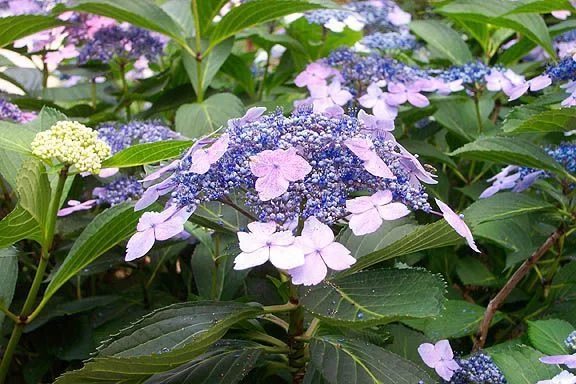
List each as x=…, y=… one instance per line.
x=541, y=6
x=198, y=119
x=19, y=225
x=16, y=137
x=207, y=10
x=17, y=27
x=503, y=206
x=180, y=11
x=350, y=361
x=227, y=362
x=162, y=340
x=473, y=272
x=257, y=12
x=239, y=70
x=376, y=296
x=509, y=151
x=210, y=64
x=415, y=239
x=34, y=190
x=444, y=39
x=106, y=230
x=563, y=293
x=405, y=343
x=559, y=120
x=548, y=336
x=459, y=116
x=147, y=153
x=520, y=365
x=495, y=12
x=8, y=277
x=142, y=13
x=460, y=318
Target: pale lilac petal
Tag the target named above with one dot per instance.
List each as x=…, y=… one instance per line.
x=320, y=234
x=563, y=377
x=359, y=204
x=561, y=15
x=306, y=244
x=368, y=100
x=337, y=257
x=312, y=272
x=75, y=206
x=139, y=244
x=282, y=238
x=249, y=243
x=286, y=257
x=381, y=197
x=398, y=17
x=490, y=191
x=248, y=260
x=153, y=193
x=365, y=223
x=200, y=162
x=157, y=174
x=395, y=99
x=266, y=229
x=568, y=360
x=516, y=92
x=107, y=172
x=418, y=100
x=458, y=224
x=428, y=354
x=377, y=167
x=540, y=82
x=393, y=211
x=444, y=350
x=295, y=168
x=169, y=228
x=271, y=186
x=363, y=148
x=341, y=97
x=444, y=371
x=384, y=111
x=334, y=111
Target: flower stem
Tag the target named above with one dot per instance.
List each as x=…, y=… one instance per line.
x=38, y=278
x=478, y=114
x=125, y=90
x=497, y=301
x=297, y=355
x=199, y=57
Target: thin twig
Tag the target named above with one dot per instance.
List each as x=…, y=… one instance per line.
x=497, y=301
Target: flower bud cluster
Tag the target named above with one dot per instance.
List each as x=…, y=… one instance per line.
x=73, y=144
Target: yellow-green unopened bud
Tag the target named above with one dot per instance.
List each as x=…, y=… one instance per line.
x=72, y=143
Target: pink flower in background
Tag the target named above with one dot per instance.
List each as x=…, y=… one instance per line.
x=376, y=99
x=275, y=170
x=364, y=149
x=40, y=40
x=314, y=75
x=95, y=23
x=154, y=226
x=399, y=94
x=325, y=97
x=153, y=193
x=501, y=181
x=264, y=243
x=561, y=15
x=202, y=158
x=369, y=212
x=320, y=250
x=53, y=58
x=563, y=377
x=440, y=357
x=439, y=86
x=398, y=17
x=458, y=224
x=250, y=116
x=75, y=206
x=376, y=127
x=503, y=81
x=567, y=360
x=570, y=87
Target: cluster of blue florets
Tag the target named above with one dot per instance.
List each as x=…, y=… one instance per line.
x=118, y=191
x=571, y=341
x=564, y=154
x=478, y=369
x=566, y=37
x=121, y=43
x=362, y=70
x=120, y=136
x=469, y=73
x=375, y=17
x=323, y=16
x=565, y=69
x=336, y=171
x=9, y=111
x=390, y=41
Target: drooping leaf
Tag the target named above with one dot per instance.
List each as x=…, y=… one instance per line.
x=548, y=336
x=521, y=365
x=376, y=296
x=257, y=12
x=34, y=190
x=509, y=151
x=17, y=27
x=19, y=225
x=147, y=153
x=444, y=39
x=229, y=361
x=16, y=137
x=350, y=361
x=8, y=277
x=198, y=119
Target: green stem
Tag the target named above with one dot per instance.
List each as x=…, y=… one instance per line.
x=48, y=238
x=125, y=91
x=297, y=354
x=94, y=95
x=199, y=57
x=477, y=108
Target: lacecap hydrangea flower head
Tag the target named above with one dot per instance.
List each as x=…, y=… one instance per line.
x=72, y=144
x=296, y=176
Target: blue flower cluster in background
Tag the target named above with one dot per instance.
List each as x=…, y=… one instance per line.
x=389, y=41
x=118, y=191
x=123, y=135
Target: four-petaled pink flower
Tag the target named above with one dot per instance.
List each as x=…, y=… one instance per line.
x=327, y=96
x=364, y=149
x=264, y=243
x=369, y=212
x=314, y=75
x=563, y=377
x=320, y=249
x=275, y=170
x=567, y=360
x=154, y=226
x=505, y=179
x=536, y=84
x=399, y=94
x=458, y=224
x=202, y=158
x=376, y=99
x=75, y=206
x=376, y=127
x=440, y=357
x=503, y=81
